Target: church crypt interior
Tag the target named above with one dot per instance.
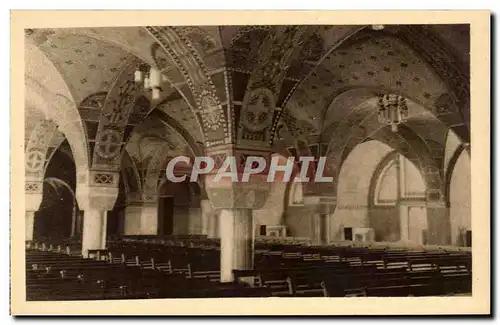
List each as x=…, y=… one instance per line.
x=107, y=108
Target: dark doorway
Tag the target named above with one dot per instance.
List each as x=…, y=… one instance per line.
x=348, y=233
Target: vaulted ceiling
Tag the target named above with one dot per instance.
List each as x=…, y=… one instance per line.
x=331, y=79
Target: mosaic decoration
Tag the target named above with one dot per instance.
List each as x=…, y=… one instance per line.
x=100, y=178
x=119, y=105
x=276, y=55
x=187, y=60
x=35, y=160
x=38, y=146
x=33, y=187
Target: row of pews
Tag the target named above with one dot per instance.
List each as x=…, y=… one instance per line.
x=362, y=271
x=189, y=267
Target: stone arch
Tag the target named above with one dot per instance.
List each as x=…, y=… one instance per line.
x=446, y=63
x=322, y=86
x=312, y=54
x=179, y=129
x=452, y=144
x=36, y=153
x=156, y=168
x=364, y=125
x=46, y=90
x=131, y=178
x=208, y=106
x=124, y=107
x=57, y=183
x=413, y=150
x=397, y=202
x=353, y=186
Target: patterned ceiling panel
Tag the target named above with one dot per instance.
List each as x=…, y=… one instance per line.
x=242, y=45
x=456, y=36
x=373, y=62
x=87, y=65
x=207, y=42
x=135, y=40
x=151, y=135
x=345, y=104
x=364, y=117
x=322, y=40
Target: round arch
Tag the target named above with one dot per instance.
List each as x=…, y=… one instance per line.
x=47, y=91
x=353, y=187
x=58, y=215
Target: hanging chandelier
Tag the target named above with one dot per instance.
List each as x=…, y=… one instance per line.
x=392, y=110
x=153, y=80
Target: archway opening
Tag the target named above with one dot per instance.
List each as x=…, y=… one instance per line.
x=179, y=210
x=380, y=197
x=397, y=209
x=58, y=215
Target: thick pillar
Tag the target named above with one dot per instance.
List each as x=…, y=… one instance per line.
x=234, y=199
x=149, y=219
x=321, y=210
x=96, y=196
x=236, y=229
x=30, y=224
x=141, y=219
x=94, y=230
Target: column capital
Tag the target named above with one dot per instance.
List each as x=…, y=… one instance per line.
x=251, y=195
x=226, y=194
x=33, y=193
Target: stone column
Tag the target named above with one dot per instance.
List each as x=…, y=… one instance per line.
x=96, y=196
x=236, y=228
x=94, y=230
x=234, y=199
x=321, y=210
x=149, y=218
x=30, y=224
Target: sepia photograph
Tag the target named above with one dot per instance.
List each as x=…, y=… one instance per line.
x=177, y=160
